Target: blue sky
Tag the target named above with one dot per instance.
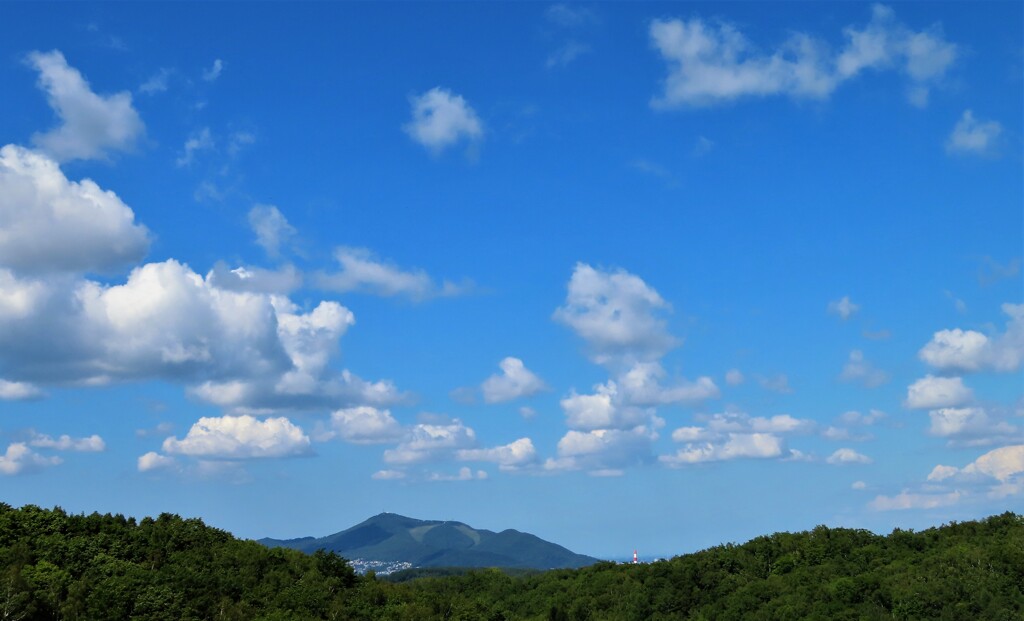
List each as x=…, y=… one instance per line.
x=621, y=275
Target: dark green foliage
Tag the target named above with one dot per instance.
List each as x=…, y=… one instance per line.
x=98, y=567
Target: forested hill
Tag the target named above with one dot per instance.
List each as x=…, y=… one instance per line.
x=99, y=567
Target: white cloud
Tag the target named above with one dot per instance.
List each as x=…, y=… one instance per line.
x=713, y=62
x=600, y=450
x=641, y=385
x=513, y=456
x=859, y=485
x=431, y=442
x=387, y=475
x=858, y=369
x=366, y=425
x=20, y=458
x=971, y=136
x=569, y=16
x=89, y=444
x=441, y=119
x=853, y=417
x=91, y=124
x=361, y=271
x=198, y=141
x=515, y=381
x=527, y=412
x=734, y=377
x=255, y=279
x=972, y=426
x=603, y=410
x=464, y=474
x=847, y=456
x=617, y=313
x=271, y=227
x=240, y=437
x=843, y=307
x=1001, y=463
x=50, y=224
x=18, y=391
x=155, y=461
x=906, y=500
x=211, y=74
x=931, y=392
x=941, y=473
x=735, y=446
x=968, y=351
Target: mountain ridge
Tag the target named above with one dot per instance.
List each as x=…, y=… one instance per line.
x=394, y=538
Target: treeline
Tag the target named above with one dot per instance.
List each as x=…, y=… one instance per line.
x=107, y=567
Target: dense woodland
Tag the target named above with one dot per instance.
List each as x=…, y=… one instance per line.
x=98, y=567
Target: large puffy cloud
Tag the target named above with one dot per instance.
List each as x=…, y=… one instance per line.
x=236, y=349
x=735, y=435
x=973, y=426
x=938, y=392
x=91, y=124
x=515, y=381
x=431, y=442
x=240, y=437
x=1001, y=463
x=603, y=452
x=711, y=62
x=50, y=224
x=513, y=456
x=18, y=391
x=617, y=313
x=968, y=351
x=362, y=272
x=365, y=425
x=972, y=136
x=441, y=119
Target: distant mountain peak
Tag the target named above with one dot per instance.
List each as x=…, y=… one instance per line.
x=393, y=538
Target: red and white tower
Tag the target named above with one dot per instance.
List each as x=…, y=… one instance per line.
x=635, y=561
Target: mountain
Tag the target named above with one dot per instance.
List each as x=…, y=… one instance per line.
x=392, y=538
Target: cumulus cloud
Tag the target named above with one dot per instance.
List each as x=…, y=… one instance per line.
x=713, y=62
x=91, y=124
x=240, y=437
x=858, y=369
x=972, y=426
x=513, y=456
x=431, y=442
x=19, y=458
x=441, y=119
x=907, y=500
x=464, y=474
x=271, y=227
x=604, y=409
x=617, y=314
x=970, y=351
x=51, y=224
x=931, y=392
x=735, y=435
x=843, y=308
x=972, y=136
x=1001, y=463
x=515, y=381
x=362, y=272
x=89, y=444
x=735, y=446
x=642, y=385
x=365, y=425
x=155, y=461
x=847, y=456
x=18, y=391
x=602, y=450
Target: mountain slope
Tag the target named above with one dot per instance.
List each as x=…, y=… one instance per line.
x=389, y=537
